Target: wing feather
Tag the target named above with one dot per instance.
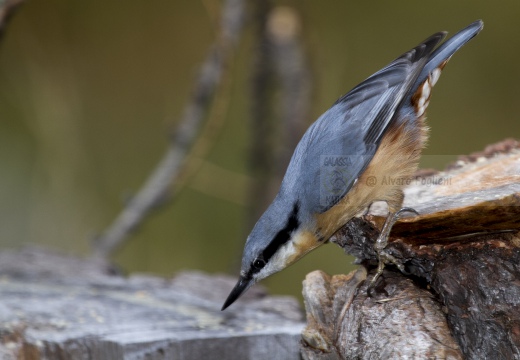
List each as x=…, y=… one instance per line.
x=338, y=147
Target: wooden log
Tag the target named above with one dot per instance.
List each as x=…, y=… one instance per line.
x=61, y=307
x=403, y=321
x=461, y=298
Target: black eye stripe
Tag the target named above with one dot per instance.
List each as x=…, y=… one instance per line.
x=280, y=238
x=283, y=235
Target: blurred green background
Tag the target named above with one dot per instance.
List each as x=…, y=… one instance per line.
x=90, y=89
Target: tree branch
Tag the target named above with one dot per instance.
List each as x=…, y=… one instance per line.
x=156, y=189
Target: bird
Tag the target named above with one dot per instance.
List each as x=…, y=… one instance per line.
x=363, y=149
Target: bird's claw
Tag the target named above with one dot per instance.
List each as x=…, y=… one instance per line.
x=384, y=257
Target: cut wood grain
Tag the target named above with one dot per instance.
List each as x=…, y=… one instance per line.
x=61, y=307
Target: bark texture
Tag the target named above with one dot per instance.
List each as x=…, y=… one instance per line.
x=460, y=297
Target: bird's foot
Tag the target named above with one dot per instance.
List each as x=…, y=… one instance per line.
x=384, y=257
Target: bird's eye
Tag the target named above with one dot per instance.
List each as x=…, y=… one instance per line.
x=258, y=264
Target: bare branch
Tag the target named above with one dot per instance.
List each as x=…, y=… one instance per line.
x=157, y=188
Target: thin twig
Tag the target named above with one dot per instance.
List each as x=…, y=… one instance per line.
x=209, y=133
x=157, y=188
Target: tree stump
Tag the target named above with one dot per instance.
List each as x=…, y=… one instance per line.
x=61, y=307
x=461, y=296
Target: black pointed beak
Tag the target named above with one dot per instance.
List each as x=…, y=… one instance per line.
x=242, y=285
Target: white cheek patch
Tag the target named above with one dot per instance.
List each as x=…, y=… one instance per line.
x=300, y=243
x=279, y=261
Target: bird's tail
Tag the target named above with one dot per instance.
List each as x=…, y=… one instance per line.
x=420, y=91
x=448, y=48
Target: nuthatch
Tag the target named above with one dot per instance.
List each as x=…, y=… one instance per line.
x=363, y=149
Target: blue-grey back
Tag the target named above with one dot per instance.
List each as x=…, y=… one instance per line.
x=337, y=148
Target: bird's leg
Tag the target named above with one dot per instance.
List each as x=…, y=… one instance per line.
x=383, y=257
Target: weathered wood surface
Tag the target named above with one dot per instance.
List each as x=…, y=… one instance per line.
x=60, y=307
x=402, y=322
x=462, y=297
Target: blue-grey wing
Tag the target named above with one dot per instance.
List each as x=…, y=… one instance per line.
x=338, y=147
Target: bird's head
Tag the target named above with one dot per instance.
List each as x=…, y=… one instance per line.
x=278, y=239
